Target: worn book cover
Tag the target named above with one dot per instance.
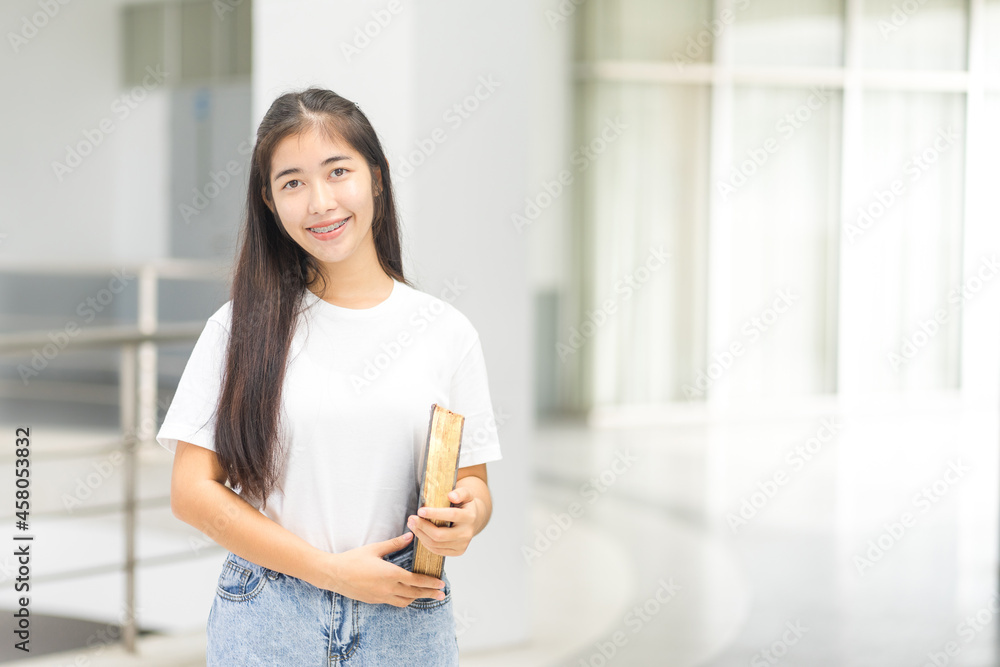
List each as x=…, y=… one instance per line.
x=444, y=440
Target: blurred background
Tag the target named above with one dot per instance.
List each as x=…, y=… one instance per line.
x=733, y=267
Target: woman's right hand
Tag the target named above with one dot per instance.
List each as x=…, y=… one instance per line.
x=362, y=574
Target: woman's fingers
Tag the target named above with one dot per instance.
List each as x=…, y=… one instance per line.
x=414, y=591
x=440, y=513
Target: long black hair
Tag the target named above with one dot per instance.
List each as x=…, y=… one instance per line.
x=272, y=271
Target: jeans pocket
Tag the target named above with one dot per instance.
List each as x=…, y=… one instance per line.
x=404, y=559
x=242, y=580
x=431, y=603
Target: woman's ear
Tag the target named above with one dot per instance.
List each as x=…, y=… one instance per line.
x=378, y=181
x=263, y=195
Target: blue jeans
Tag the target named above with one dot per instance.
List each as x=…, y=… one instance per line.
x=260, y=617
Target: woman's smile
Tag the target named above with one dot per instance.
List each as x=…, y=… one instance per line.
x=327, y=232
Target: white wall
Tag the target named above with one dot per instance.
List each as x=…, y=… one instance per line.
x=455, y=210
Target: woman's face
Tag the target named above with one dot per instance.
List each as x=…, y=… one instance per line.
x=317, y=183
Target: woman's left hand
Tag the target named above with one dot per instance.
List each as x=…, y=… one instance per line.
x=448, y=540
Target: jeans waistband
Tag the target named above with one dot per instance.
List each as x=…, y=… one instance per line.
x=402, y=555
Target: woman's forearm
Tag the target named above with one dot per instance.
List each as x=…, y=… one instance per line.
x=481, y=494
x=221, y=514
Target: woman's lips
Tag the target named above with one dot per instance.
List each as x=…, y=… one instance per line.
x=326, y=236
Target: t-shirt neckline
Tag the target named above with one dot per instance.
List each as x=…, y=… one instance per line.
x=341, y=312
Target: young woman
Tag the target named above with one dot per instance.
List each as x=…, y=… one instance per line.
x=310, y=394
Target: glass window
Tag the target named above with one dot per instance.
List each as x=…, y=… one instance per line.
x=197, y=57
x=782, y=194
x=858, y=219
x=640, y=172
x=143, y=41
x=903, y=232
x=781, y=33
x=991, y=33
x=914, y=34
x=645, y=30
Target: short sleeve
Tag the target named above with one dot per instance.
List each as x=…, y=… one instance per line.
x=470, y=397
x=191, y=415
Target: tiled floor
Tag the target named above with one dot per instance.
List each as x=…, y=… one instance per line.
x=837, y=559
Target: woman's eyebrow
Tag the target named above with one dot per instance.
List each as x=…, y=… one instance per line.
x=296, y=170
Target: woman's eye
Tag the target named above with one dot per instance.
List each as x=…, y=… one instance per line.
x=295, y=180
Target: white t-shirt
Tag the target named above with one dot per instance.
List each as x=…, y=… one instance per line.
x=355, y=410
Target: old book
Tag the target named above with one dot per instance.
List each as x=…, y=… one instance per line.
x=444, y=440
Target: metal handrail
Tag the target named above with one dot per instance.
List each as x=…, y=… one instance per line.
x=112, y=567
x=63, y=454
x=172, y=269
x=137, y=397
x=98, y=510
x=114, y=336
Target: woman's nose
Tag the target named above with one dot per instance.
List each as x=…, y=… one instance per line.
x=321, y=199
